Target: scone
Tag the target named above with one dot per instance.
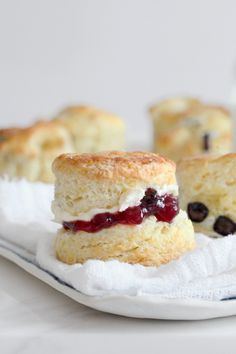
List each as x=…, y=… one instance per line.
x=117, y=205
x=93, y=130
x=188, y=127
x=208, y=193
x=29, y=152
x=7, y=133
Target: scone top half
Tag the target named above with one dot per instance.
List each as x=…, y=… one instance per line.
x=119, y=205
x=189, y=127
x=108, y=181
x=208, y=193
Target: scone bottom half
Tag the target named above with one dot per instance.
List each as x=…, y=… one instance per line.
x=119, y=205
x=207, y=193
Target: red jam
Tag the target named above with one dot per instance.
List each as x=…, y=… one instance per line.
x=164, y=208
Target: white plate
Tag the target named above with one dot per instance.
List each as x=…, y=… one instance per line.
x=152, y=307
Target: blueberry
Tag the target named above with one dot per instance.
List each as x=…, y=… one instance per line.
x=224, y=226
x=197, y=211
x=149, y=197
x=206, y=142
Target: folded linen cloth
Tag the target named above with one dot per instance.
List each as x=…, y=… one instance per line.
x=208, y=272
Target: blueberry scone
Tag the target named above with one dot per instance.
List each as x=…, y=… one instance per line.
x=188, y=127
x=207, y=193
x=117, y=205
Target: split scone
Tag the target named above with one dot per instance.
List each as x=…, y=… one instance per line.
x=93, y=130
x=207, y=192
x=188, y=127
x=29, y=152
x=117, y=205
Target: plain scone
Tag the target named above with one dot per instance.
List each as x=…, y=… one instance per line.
x=29, y=152
x=86, y=182
x=92, y=130
x=188, y=127
x=207, y=192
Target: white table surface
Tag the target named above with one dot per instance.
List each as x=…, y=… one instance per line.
x=35, y=318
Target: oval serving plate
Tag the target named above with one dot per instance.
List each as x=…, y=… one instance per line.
x=148, y=307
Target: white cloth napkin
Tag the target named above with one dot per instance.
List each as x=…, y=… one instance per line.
x=25, y=212
x=209, y=272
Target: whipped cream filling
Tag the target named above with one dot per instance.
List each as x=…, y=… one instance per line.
x=180, y=217
x=129, y=199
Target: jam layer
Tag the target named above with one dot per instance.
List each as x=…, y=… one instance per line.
x=164, y=208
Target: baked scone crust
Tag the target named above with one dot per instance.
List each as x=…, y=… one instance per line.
x=87, y=111
x=176, y=106
x=29, y=152
x=87, y=181
x=7, y=133
x=210, y=180
x=93, y=130
x=151, y=243
x=117, y=165
x=181, y=124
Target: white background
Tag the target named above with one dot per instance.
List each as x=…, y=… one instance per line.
x=120, y=55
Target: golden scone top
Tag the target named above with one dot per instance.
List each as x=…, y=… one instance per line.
x=203, y=160
x=5, y=134
x=189, y=127
x=41, y=136
x=29, y=152
x=182, y=108
x=145, y=166
x=176, y=106
x=88, y=112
